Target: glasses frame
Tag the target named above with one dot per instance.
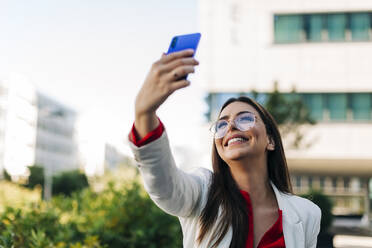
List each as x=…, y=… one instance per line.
x=229, y=122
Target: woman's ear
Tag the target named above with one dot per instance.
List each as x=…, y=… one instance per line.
x=270, y=144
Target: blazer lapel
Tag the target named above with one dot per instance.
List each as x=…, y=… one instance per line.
x=293, y=232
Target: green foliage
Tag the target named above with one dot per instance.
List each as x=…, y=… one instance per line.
x=325, y=204
x=63, y=183
x=69, y=181
x=6, y=175
x=36, y=176
x=290, y=112
x=118, y=216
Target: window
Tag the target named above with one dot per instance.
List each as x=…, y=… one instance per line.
x=315, y=103
x=336, y=24
x=310, y=182
x=313, y=27
x=337, y=106
x=323, y=27
x=361, y=106
x=288, y=28
x=360, y=25
x=222, y=98
x=322, y=182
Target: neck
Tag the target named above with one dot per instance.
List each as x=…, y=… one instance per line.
x=251, y=175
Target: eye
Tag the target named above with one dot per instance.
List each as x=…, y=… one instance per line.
x=221, y=125
x=246, y=118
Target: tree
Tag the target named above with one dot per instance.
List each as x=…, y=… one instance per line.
x=68, y=182
x=6, y=175
x=36, y=176
x=290, y=113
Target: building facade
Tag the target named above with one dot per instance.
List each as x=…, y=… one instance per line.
x=323, y=50
x=56, y=141
x=18, y=114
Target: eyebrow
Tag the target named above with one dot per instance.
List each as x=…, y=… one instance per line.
x=241, y=112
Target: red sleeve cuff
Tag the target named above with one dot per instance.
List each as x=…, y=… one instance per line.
x=151, y=136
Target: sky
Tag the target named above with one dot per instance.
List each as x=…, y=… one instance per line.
x=93, y=56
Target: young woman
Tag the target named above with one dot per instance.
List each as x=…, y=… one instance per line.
x=247, y=200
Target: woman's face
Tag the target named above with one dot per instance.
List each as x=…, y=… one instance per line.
x=254, y=141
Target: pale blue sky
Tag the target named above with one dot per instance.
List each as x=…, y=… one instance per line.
x=93, y=55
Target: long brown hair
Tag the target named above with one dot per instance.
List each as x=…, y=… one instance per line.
x=224, y=194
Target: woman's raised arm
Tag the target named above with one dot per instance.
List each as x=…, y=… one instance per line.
x=165, y=77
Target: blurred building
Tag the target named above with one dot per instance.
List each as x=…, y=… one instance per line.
x=56, y=141
x=323, y=49
x=34, y=129
x=18, y=114
x=113, y=157
x=95, y=154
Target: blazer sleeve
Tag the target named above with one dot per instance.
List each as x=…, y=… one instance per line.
x=317, y=215
x=173, y=190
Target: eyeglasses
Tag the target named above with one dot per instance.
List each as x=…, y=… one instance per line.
x=243, y=122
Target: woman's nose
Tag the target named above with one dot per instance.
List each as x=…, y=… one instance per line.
x=231, y=126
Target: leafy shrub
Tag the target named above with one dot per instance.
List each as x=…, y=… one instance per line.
x=121, y=216
x=325, y=204
x=11, y=194
x=69, y=181
x=36, y=176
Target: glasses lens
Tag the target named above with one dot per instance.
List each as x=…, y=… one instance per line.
x=220, y=128
x=245, y=121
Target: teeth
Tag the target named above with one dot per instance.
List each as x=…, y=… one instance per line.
x=235, y=139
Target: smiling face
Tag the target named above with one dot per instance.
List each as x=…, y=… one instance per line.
x=243, y=144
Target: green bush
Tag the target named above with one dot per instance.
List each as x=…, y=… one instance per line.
x=36, y=176
x=325, y=204
x=116, y=217
x=69, y=181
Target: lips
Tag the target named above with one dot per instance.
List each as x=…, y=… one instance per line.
x=235, y=138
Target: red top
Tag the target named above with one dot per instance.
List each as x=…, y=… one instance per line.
x=273, y=238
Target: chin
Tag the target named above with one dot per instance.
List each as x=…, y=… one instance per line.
x=236, y=155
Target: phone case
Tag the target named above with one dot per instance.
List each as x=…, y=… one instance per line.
x=182, y=42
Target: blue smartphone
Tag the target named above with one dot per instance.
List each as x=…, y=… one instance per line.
x=183, y=42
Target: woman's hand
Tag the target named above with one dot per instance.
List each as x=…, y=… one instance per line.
x=165, y=77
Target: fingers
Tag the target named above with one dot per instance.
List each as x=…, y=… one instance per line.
x=176, y=55
x=178, y=85
x=177, y=63
x=179, y=73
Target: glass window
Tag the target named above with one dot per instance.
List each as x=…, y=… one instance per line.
x=361, y=106
x=360, y=25
x=322, y=182
x=313, y=27
x=336, y=27
x=223, y=97
x=337, y=105
x=315, y=103
x=310, y=182
x=217, y=100
x=298, y=181
x=288, y=28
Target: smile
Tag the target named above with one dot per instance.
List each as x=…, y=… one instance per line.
x=237, y=140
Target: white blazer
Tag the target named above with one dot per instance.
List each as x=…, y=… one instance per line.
x=185, y=194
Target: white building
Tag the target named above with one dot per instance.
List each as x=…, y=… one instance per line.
x=95, y=153
x=324, y=50
x=18, y=114
x=34, y=129
x=56, y=141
